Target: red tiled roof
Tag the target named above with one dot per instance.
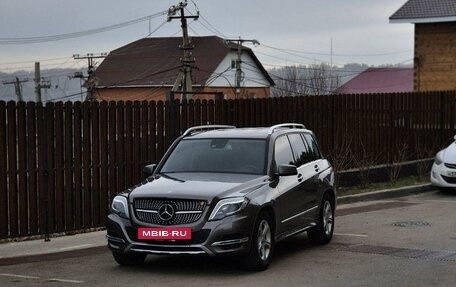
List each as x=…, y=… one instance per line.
x=156, y=62
x=379, y=80
x=421, y=9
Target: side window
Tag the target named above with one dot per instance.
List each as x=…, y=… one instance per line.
x=300, y=149
x=282, y=151
x=315, y=151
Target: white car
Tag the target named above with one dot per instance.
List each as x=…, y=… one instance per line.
x=443, y=173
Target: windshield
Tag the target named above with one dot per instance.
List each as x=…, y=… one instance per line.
x=218, y=155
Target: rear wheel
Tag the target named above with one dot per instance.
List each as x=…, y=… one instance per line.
x=262, y=246
x=322, y=233
x=129, y=259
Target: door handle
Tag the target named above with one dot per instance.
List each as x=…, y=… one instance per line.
x=300, y=177
x=317, y=168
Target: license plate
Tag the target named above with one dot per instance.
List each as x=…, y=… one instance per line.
x=451, y=173
x=178, y=233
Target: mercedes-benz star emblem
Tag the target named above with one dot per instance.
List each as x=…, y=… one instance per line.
x=166, y=212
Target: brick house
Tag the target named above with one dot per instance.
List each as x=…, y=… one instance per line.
x=147, y=69
x=435, y=42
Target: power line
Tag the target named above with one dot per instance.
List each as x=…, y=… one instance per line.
x=50, y=38
x=338, y=55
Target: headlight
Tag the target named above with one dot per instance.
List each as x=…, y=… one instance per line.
x=227, y=207
x=120, y=206
x=438, y=159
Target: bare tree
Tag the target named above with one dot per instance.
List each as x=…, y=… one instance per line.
x=316, y=79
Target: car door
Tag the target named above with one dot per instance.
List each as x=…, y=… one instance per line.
x=319, y=165
x=307, y=178
x=290, y=200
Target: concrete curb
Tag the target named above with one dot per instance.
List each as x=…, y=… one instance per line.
x=386, y=193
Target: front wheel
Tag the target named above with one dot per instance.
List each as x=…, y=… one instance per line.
x=323, y=232
x=262, y=246
x=129, y=259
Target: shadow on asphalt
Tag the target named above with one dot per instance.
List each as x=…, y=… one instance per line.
x=226, y=265
x=447, y=191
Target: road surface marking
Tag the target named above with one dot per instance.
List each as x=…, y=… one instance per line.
x=36, y=277
x=19, y=276
x=350, y=234
x=75, y=247
x=65, y=280
x=443, y=201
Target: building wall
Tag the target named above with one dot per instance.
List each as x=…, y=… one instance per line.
x=225, y=74
x=159, y=93
x=435, y=56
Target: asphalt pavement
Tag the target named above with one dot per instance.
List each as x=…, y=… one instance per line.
x=32, y=250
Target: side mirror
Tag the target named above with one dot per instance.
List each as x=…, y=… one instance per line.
x=148, y=170
x=286, y=170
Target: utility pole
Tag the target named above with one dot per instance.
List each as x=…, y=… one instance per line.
x=184, y=79
x=37, y=82
x=80, y=76
x=239, y=73
x=40, y=83
x=17, y=86
x=92, y=81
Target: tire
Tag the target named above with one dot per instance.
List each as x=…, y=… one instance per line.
x=262, y=246
x=323, y=232
x=129, y=259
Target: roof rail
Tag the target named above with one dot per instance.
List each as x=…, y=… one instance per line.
x=286, y=125
x=207, y=127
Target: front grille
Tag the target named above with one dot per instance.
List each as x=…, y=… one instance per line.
x=450, y=165
x=451, y=180
x=184, y=211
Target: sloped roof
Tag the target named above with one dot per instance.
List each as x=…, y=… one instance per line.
x=424, y=11
x=156, y=62
x=379, y=80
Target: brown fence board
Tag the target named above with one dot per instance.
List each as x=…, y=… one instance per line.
x=112, y=147
x=95, y=147
x=32, y=167
x=59, y=168
x=3, y=173
x=104, y=164
x=120, y=146
x=86, y=164
x=12, y=169
x=50, y=156
x=78, y=187
x=68, y=165
x=160, y=129
x=128, y=144
x=153, y=132
x=137, y=162
x=22, y=168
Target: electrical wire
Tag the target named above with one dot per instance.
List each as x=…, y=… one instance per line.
x=50, y=38
x=337, y=55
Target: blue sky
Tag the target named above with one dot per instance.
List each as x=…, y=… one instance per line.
x=359, y=29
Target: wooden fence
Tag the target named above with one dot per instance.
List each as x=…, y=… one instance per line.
x=62, y=163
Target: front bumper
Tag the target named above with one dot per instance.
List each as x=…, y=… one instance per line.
x=443, y=176
x=230, y=235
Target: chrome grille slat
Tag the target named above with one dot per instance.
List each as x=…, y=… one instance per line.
x=188, y=211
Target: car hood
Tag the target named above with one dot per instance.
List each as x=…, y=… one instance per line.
x=449, y=154
x=197, y=186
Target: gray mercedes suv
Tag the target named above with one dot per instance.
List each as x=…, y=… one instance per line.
x=221, y=190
